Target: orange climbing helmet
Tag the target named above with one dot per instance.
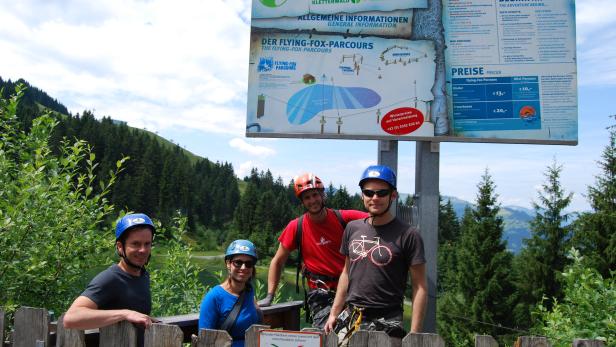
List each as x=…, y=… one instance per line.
x=306, y=182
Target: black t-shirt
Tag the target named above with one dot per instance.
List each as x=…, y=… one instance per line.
x=380, y=257
x=114, y=289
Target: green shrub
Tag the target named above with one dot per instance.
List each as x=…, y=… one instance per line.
x=175, y=282
x=50, y=217
x=588, y=309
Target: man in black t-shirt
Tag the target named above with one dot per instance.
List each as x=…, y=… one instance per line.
x=121, y=292
x=380, y=251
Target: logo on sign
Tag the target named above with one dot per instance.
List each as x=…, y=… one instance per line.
x=265, y=64
x=273, y=3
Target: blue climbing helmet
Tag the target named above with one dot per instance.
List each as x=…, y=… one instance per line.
x=379, y=172
x=133, y=220
x=241, y=247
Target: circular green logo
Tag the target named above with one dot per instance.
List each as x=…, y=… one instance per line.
x=276, y=3
x=355, y=1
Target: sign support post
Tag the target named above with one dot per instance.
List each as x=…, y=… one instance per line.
x=388, y=155
x=427, y=193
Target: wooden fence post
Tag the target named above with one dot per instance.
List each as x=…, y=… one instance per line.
x=163, y=335
x=532, y=341
x=365, y=338
x=252, y=335
x=69, y=337
x=212, y=338
x=588, y=343
x=31, y=325
x=423, y=340
x=485, y=341
x=1, y=327
x=122, y=333
x=329, y=340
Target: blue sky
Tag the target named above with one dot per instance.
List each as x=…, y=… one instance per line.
x=180, y=69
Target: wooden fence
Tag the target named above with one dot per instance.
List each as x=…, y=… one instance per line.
x=32, y=328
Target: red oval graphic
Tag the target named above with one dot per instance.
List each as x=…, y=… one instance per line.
x=402, y=121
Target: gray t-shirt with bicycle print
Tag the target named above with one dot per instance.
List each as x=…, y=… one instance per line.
x=380, y=257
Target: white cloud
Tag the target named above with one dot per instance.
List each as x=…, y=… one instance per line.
x=165, y=64
x=595, y=21
x=254, y=150
x=244, y=168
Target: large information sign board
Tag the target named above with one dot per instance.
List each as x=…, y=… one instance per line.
x=511, y=69
x=328, y=85
x=504, y=71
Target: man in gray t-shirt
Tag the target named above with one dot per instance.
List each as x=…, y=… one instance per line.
x=121, y=292
x=380, y=251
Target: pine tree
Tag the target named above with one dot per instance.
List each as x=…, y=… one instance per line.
x=448, y=233
x=480, y=298
x=545, y=253
x=595, y=232
x=340, y=200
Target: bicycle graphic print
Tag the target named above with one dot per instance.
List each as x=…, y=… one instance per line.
x=379, y=255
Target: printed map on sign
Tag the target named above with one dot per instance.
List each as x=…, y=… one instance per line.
x=329, y=85
x=293, y=8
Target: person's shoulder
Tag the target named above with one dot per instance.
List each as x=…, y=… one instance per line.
x=215, y=291
x=108, y=273
x=293, y=223
x=357, y=223
x=408, y=231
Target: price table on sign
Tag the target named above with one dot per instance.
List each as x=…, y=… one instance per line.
x=496, y=103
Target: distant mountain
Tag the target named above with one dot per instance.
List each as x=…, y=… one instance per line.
x=515, y=218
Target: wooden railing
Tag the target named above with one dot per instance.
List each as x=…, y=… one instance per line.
x=32, y=328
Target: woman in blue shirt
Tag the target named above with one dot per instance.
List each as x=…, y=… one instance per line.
x=240, y=260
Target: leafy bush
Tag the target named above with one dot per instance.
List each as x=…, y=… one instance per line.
x=175, y=283
x=588, y=309
x=50, y=217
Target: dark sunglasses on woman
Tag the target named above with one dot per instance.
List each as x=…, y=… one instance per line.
x=238, y=263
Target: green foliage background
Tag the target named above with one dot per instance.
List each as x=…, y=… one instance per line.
x=64, y=179
x=50, y=217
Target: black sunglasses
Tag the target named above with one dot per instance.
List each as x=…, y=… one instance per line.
x=380, y=193
x=238, y=263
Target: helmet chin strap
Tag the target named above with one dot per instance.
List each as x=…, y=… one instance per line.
x=130, y=263
x=373, y=215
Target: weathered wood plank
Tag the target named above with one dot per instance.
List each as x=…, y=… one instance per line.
x=532, y=341
x=1, y=327
x=365, y=338
x=31, y=325
x=69, y=337
x=423, y=340
x=328, y=340
x=485, y=341
x=331, y=340
x=163, y=335
x=120, y=334
x=252, y=335
x=211, y=338
x=588, y=343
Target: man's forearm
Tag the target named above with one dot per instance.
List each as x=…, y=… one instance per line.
x=83, y=318
x=420, y=303
x=273, y=276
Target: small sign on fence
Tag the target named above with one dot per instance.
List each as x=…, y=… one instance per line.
x=288, y=338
